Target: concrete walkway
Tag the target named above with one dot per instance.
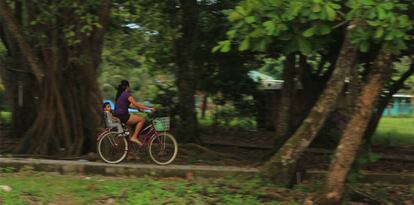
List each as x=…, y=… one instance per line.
x=134, y=169
x=87, y=167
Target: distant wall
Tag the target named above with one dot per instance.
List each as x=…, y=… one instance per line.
x=400, y=106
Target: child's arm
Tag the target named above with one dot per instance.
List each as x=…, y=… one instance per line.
x=115, y=119
x=110, y=117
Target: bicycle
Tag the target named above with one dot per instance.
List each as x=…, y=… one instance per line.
x=162, y=147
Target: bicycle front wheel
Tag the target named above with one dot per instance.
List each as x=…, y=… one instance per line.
x=163, y=148
x=112, y=148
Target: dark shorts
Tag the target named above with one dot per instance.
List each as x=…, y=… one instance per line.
x=124, y=118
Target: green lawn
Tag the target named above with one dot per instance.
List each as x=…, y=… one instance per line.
x=5, y=116
x=395, y=131
x=45, y=188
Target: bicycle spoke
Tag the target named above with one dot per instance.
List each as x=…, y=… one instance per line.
x=112, y=148
x=163, y=148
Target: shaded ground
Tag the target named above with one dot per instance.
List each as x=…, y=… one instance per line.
x=251, y=148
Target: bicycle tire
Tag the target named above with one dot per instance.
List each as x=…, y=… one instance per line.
x=123, y=149
x=152, y=144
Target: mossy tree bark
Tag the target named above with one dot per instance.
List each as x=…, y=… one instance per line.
x=281, y=168
x=68, y=109
x=284, y=111
x=352, y=136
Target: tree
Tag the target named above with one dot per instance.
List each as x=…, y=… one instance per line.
x=299, y=26
x=351, y=138
x=283, y=165
x=392, y=88
x=283, y=122
x=185, y=52
x=393, y=39
x=305, y=26
x=62, y=43
x=129, y=47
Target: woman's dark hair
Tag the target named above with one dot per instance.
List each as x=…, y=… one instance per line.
x=105, y=104
x=121, y=88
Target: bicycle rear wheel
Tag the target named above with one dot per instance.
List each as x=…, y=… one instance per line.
x=112, y=148
x=163, y=148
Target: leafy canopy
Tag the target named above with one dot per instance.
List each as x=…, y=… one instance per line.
x=305, y=25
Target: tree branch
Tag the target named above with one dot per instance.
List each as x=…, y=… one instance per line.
x=400, y=82
x=12, y=26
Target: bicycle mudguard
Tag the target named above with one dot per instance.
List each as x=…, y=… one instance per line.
x=102, y=134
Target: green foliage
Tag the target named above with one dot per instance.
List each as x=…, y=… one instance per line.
x=401, y=66
x=272, y=67
x=229, y=117
x=305, y=25
x=296, y=25
x=123, y=190
x=82, y=22
x=140, y=44
x=224, y=73
x=385, y=21
x=137, y=48
x=7, y=169
x=166, y=97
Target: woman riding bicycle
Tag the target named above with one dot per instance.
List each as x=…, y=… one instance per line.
x=124, y=100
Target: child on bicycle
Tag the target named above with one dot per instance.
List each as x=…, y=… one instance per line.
x=111, y=121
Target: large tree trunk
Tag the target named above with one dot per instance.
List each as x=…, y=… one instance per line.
x=68, y=111
x=329, y=135
x=284, y=111
x=185, y=50
x=352, y=136
x=282, y=166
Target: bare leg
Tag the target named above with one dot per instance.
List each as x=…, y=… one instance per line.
x=138, y=121
x=131, y=154
x=119, y=128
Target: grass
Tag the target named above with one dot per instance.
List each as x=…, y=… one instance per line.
x=395, y=131
x=5, y=116
x=44, y=188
